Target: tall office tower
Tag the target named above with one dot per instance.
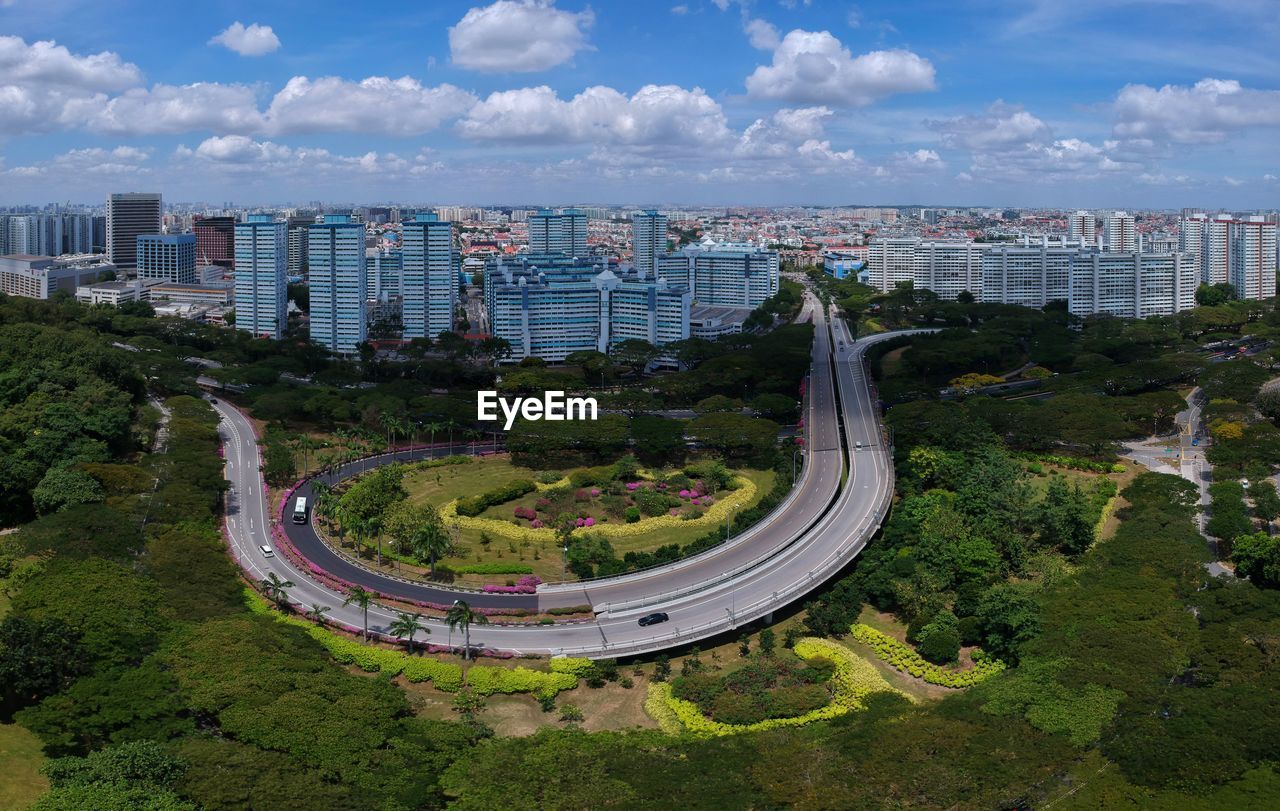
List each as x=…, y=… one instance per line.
x=558, y=232
x=336, y=277
x=1191, y=236
x=430, y=283
x=77, y=233
x=298, y=243
x=648, y=239
x=167, y=257
x=129, y=216
x=261, y=252
x=216, y=240
x=1083, y=227
x=1121, y=232
x=1253, y=257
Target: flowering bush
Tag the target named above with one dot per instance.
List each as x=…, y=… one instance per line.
x=904, y=658
x=854, y=679
x=487, y=680
x=633, y=486
x=714, y=516
x=526, y=513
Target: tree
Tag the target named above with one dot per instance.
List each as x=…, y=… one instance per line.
x=635, y=354
x=940, y=638
x=1266, y=502
x=1213, y=295
x=275, y=589
x=37, y=658
x=1257, y=557
x=361, y=597
x=461, y=615
x=64, y=487
x=317, y=612
x=1009, y=617
x=1064, y=518
x=407, y=625
x=430, y=541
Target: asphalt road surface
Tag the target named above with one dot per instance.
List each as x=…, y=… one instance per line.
x=824, y=523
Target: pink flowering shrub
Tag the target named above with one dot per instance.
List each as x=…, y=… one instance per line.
x=588, y=522
x=633, y=486
x=537, y=523
x=526, y=513
x=595, y=491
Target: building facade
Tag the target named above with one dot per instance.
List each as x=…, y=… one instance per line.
x=1082, y=226
x=215, y=240
x=31, y=276
x=946, y=268
x=550, y=306
x=338, y=285
x=648, y=239
x=1253, y=257
x=1121, y=232
x=1131, y=284
x=129, y=216
x=261, y=291
x=167, y=257
x=430, y=279
x=563, y=231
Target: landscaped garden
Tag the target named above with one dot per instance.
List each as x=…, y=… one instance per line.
x=498, y=522
x=816, y=679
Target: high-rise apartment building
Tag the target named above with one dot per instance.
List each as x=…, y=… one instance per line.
x=722, y=275
x=167, y=257
x=946, y=268
x=129, y=216
x=337, y=282
x=260, y=254
x=215, y=240
x=1253, y=257
x=562, y=231
x=77, y=233
x=1192, y=230
x=298, y=243
x=429, y=293
x=1131, y=284
x=1082, y=227
x=1028, y=275
x=550, y=306
x=648, y=239
x=384, y=269
x=1121, y=232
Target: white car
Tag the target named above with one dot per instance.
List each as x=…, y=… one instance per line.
x=267, y=552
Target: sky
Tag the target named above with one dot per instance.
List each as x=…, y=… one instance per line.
x=1090, y=103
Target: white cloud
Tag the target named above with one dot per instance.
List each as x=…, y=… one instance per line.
x=1206, y=112
x=245, y=156
x=46, y=64
x=121, y=160
x=169, y=109
x=1233, y=182
x=518, y=36
x=376, y=105
x=1006, y=142
x=813, y=67
x=655, y=115
x=762, y=34
x=1001, y=125
x=251, y=40
x=680, y=10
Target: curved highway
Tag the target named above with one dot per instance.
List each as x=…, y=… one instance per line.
x=819, y=529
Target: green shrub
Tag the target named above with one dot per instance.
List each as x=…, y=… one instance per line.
x=494, y=568
x=904, y=658
x=574, y=667
x=472, y=506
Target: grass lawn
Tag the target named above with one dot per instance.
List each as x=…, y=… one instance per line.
x=20, y=759
x=439, y=485
x=892, y=360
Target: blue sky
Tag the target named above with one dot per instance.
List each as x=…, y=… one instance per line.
x=1137, y=103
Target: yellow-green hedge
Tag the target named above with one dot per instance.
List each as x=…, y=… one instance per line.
x=484, y=679
x=572, y=666
x=854, y=680
x=713, y=516
x=904, y=658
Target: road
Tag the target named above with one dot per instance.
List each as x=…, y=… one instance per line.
x=818, y=530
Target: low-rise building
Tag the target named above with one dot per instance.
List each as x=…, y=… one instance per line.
x=40, y=277
x=114, y=293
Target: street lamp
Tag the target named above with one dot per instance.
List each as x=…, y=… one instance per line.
x=794, y=453
x=728, y=532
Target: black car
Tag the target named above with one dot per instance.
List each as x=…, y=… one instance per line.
x=653, y=619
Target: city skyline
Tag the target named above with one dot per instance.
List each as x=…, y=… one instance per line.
x=1137, y=104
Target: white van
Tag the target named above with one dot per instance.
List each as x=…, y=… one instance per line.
x=267, y=551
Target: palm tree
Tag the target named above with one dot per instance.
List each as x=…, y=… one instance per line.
x=275, y=589
x=433, y=427
x=463, y=616
x=430, y=540
x=317, y=613
x=374, y=527
x=407, y=625
x=361, y=597
x=389, y=421
x=305, y=445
